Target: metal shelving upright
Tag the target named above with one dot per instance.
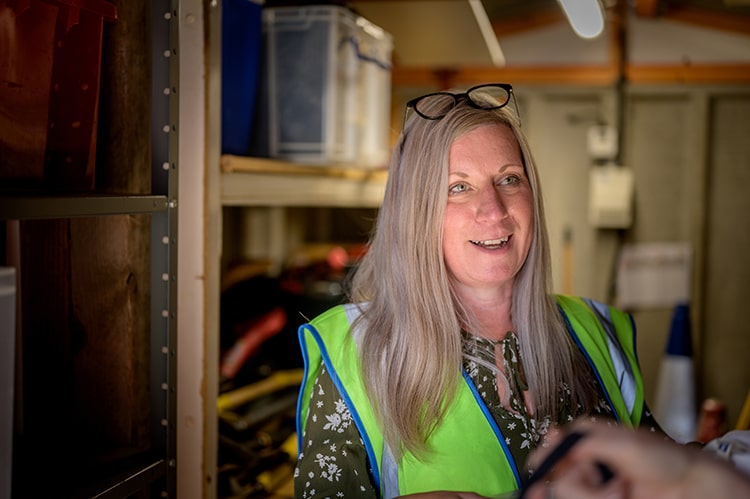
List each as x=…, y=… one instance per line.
x=164, y=178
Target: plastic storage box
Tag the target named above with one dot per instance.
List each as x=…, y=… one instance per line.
x=50, y=64
x=327, y=86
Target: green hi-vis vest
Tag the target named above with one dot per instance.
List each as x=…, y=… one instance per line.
x=469, y=450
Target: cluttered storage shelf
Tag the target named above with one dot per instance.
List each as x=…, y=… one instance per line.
x=250, y=181
x=291, y=231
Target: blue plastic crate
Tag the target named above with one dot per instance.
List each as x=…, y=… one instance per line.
x=240, y=64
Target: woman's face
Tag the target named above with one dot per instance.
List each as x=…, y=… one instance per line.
x=489, y=216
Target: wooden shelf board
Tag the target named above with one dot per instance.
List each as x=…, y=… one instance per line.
x=267, y=182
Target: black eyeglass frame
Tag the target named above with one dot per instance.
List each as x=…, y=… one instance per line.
x=412, y=104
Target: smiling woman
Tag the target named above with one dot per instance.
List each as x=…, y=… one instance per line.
x=453, y=358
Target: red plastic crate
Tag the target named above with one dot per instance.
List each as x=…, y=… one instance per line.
x=50, y=62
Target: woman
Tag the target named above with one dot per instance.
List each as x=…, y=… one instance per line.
x=453, y=357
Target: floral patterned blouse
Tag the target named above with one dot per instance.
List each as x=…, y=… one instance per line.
x=333, y=462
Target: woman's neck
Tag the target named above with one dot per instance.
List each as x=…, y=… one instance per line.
x=491, y=315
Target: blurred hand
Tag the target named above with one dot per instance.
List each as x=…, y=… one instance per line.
x=643, y=464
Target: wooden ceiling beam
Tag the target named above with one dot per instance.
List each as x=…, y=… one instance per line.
x=706, y=18
x=594, y=75
x=519, y=24
x=582, y=75
x=688, y=73
x=646, y=8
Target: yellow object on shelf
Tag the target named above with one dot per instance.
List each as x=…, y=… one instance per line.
x=275, y=382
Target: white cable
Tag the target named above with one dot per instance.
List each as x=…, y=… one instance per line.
x=485, y=27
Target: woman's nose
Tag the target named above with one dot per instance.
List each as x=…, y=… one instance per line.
x=490, y=205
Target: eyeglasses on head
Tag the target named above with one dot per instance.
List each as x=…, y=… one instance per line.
x=436, y=105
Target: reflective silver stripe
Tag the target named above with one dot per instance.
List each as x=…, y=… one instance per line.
x=388, y=466
x=389, y=474
x=624, y=370
x=353, y=311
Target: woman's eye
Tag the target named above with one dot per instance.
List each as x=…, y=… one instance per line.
x=457, y=188
x=510, y=180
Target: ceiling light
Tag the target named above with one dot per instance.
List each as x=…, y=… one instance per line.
x=585, y=17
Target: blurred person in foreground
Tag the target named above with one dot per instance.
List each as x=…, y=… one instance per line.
x=453, y=357
x=641, y=465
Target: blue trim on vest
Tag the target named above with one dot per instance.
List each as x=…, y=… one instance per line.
x=306, y=363
x=635, y=338
x=495, y=429
x=342, y=391
x=573, y=333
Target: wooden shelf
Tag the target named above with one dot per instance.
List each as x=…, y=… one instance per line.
x=267, y=182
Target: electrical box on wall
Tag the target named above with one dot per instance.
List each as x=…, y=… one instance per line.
x=611, y=197
x=602, y=143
